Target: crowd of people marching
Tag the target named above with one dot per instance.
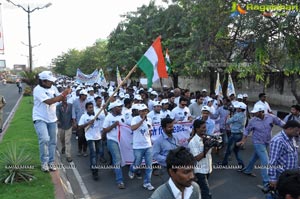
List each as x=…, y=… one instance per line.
x=96, y=112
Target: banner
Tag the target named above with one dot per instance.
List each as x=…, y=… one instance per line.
x=87, y=79
x=1, y=34
x=181, y=132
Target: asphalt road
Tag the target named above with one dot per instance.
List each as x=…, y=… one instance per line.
x=11, y=95
x=227, y=183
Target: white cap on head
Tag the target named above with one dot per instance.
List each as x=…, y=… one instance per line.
x=239, y=96
x=121, y=95
x=83, y=92
x=150, y=90
x=205, y=108
x=245, y=95
x=115, y=104
x=240, y=105
x=111, y=93
x=204, y=90
x=138, y=97
x=135, y=106
x=164, y=101
x=127, y=96
x=156, y=103
x=258, y=108
x=47, y=75
x=142, y=107
x=154, y=93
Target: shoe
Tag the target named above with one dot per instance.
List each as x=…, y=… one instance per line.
x=85, y=154
x=121, y=185
x=79, y=153
x=63, y=150
x=69, y=159
x=76, y=137
x=249, y=174
x=95, y=175
x=130, y=174
x=45, y=167
x=52, y=167
x=156, y=172
x=139, y=176
x=148, y=186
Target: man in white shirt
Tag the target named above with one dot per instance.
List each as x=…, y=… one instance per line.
x=45, y=97
x=110, y=132
x=181, y=113
x=202, y=154
x=262, y=101
x=142, y=146
x=155, y=115
x=92, y=135
x=181, y=185
x=165, y=112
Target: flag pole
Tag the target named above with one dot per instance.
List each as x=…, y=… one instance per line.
x=116, y=90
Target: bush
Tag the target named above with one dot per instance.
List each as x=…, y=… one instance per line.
x=15, y=165
x=27, y=91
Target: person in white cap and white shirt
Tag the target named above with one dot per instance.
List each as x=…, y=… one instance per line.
x=165, y=112
x=155, y=115
x=110, y=132
x=45, y=97
x=262, y=101
x=142, y=145
x=181, y=113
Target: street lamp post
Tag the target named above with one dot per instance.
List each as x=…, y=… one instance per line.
x=28, y=10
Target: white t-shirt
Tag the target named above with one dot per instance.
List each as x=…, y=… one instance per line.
x=126, y=112
x=101, y=116
x=181, y=114
x=166, y=113
x=141, y=136
x=155, y=117
x=93, y=133
x=41, y=110
x=110, y=120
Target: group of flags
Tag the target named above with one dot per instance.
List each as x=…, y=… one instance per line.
x=230, y=87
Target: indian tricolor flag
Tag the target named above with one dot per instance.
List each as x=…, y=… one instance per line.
x=153, y=63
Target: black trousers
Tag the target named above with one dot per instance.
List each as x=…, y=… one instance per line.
x=82, y=143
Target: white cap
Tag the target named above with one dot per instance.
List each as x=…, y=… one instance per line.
x=245, y=95
x=156, y=103
x=47, y=75
x=138, y=97
x=204, y=90
x=135, y=106
x=142, y=107
x=150, y=90
x=90, y=89
x=209, y=99
x=258, y=108
x=154, y=93
x=240, y=105
x=121, y=95
x=115, y=104
x=164, y=101
x=126, y=95
x=83, y=92
x=239, y=96
x=193, y=101
x=205, y=108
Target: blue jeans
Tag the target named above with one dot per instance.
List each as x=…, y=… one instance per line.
x=114, y=150
x=46, y=133
x=203, y=184
x=260, y=152
x=96, y=150
x=233, y=139
x=139, y=154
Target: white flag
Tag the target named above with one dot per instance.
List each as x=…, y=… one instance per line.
x=230, y=87
x=218, y=88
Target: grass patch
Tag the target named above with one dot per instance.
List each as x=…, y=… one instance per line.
x=22, y=133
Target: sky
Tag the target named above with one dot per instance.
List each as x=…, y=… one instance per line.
x=65, y=25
